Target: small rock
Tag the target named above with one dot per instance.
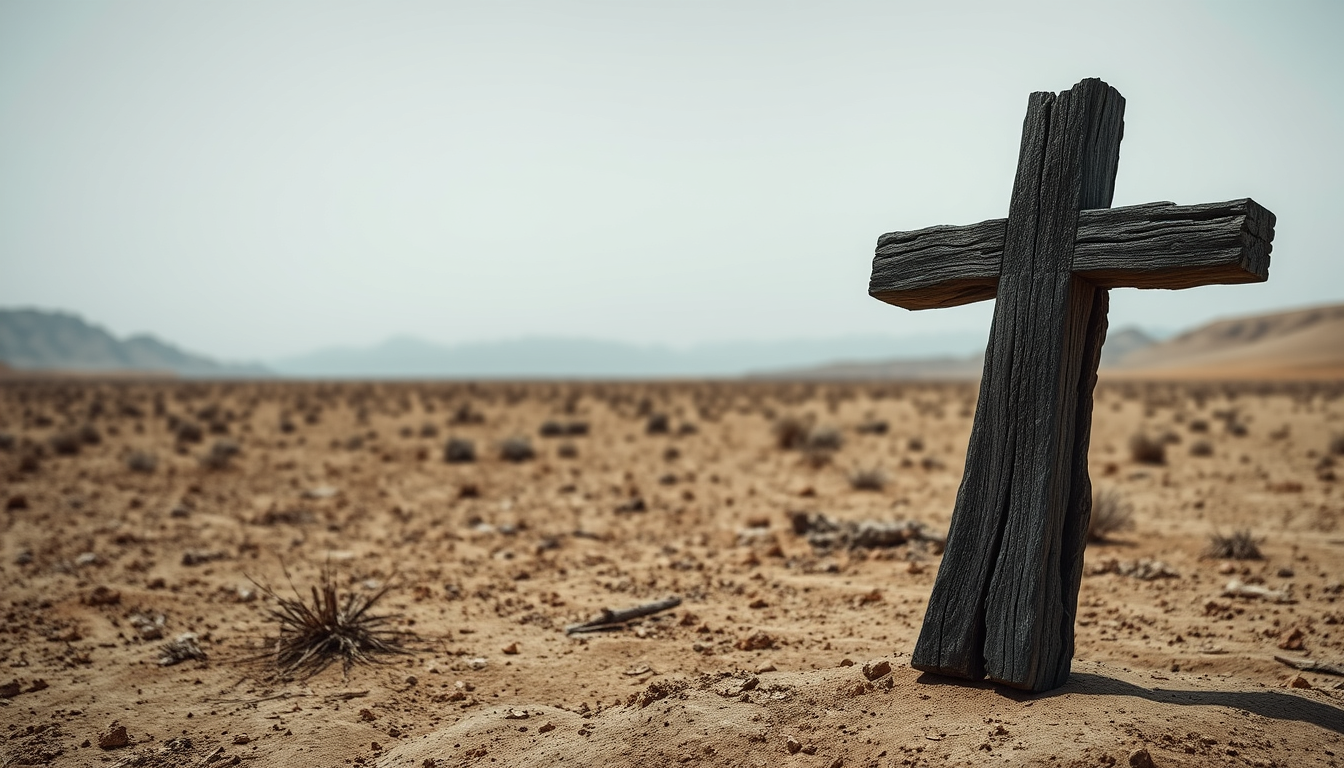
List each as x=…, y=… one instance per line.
x=10, y=690
x=757, y=642
x=180, y=649
x=114, y=737
x=1299, y=681
x=367, y=715
x=1140, y=758
x=1292, y=640
x=766, y=667
x=511, y=649
x=875, y=670
x=18, y=501
x=149, y=628
x=478, y=663
x=792, y=745
x=846, y=662
x=243, y=738
x=547, y=728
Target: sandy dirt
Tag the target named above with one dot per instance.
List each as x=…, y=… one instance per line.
x=787, y=649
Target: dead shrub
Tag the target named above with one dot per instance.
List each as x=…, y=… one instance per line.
x=466, y=414
x=872, y=427
x=517, y=449
x=189, y=432
x=459, y=451
x=331, y=628
x=870, y=479
x=1240, y=545
x=791, y=432
x=1147, y=450
x=1111, y=513
x=65, y=443
x=658, y=424
x=142, y=461
x=824, y=438
x=221, y=453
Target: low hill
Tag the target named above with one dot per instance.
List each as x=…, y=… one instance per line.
x=37, y=340
x=1303, y=343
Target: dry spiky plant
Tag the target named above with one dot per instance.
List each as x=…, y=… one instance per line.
x=1240, y=545
x=1111, y=513
x=331, y=628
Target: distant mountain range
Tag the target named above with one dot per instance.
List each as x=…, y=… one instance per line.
x=405, y=357
x=32, y=339
x=1304, y=343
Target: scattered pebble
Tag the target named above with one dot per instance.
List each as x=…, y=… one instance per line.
x=114, y=737
x=875, y=670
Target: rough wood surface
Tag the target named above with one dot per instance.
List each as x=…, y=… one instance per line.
x=1001, y=609
x=1155, y=245
x=1004, y=602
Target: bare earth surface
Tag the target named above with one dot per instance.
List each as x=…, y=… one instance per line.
x=789, y=648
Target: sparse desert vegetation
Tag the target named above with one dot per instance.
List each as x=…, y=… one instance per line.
x=1111, y=514
x=800, y=524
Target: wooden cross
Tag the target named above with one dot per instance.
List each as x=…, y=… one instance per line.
x=1004, y=602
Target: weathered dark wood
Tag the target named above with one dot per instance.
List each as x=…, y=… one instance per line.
x=1156, y=245
x=1004, y=601
x=1009, y=608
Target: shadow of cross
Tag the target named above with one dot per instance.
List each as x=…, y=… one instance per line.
x=1004, y=602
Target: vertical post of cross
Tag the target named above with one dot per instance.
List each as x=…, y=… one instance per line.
x=1005, y=608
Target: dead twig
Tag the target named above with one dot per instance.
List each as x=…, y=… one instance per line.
x=346, y=695
x=1311, y=665
x=609, y=619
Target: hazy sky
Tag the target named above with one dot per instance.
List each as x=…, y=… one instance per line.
x=253, y=179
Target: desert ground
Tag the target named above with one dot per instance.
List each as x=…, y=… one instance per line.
x=145, y=522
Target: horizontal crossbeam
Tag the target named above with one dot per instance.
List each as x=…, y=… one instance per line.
x=1155, y=245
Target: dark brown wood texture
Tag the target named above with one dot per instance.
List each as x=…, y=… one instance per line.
x=1004, y=602
x=1157, y=245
